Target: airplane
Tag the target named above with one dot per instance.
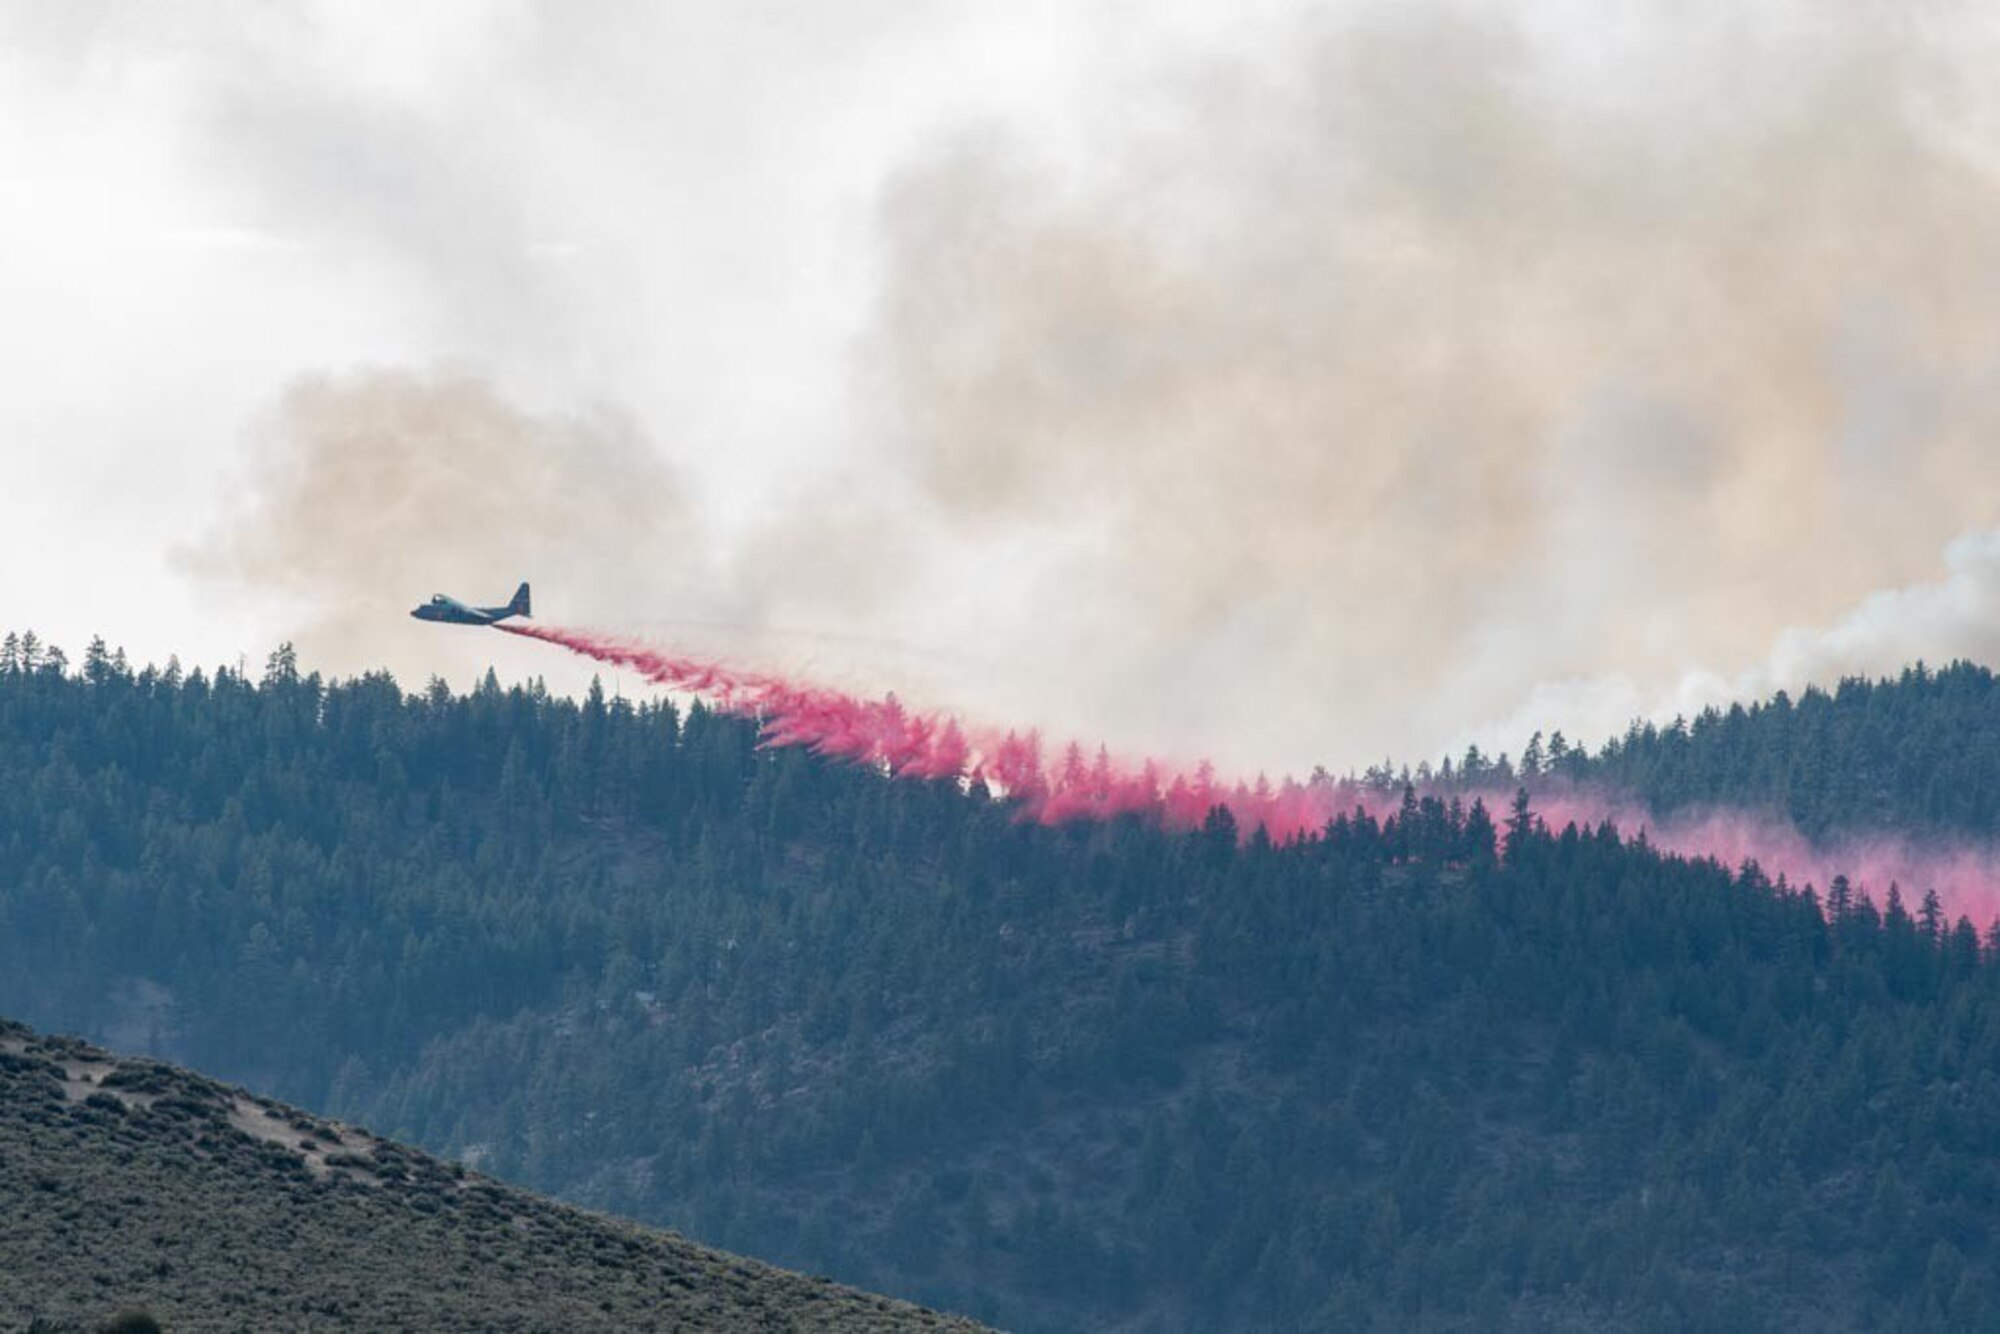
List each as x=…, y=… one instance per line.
x=453, y=612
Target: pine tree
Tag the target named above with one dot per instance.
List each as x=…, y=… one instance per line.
x=1931, y=917
x=1531, y=759
x=281, y=667
x=1520, y=823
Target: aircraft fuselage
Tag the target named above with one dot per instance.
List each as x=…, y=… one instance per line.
x=450, y=611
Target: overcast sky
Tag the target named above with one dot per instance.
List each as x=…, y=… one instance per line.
x=1288, y=384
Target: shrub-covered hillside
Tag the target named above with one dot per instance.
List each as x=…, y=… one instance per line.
x=135, y=1188
x=1097, y=1076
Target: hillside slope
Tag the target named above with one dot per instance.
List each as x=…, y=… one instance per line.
x=131, y=1185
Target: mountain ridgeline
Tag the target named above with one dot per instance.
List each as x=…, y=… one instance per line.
x=1448, y=1069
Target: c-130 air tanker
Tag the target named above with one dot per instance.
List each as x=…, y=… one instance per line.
x=451, y=611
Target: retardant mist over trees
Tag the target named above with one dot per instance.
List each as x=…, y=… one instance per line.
x=1448, y=1066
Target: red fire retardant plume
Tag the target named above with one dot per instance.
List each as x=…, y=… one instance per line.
x=909, y=743
x=1054, y=785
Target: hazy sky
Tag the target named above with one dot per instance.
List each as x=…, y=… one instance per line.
x=1285, y=383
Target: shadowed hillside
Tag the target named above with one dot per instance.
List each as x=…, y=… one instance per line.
x=131, y=1185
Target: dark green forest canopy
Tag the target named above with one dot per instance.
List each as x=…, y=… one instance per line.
x=1055, y=1077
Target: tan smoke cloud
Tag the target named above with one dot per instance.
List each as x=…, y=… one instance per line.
x=366, y=492
x=1428, y=364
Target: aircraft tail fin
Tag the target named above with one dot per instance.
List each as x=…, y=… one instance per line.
x=519, y=606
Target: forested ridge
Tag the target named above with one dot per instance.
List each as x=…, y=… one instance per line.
x=1919, y=753
x=1058, y=1078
